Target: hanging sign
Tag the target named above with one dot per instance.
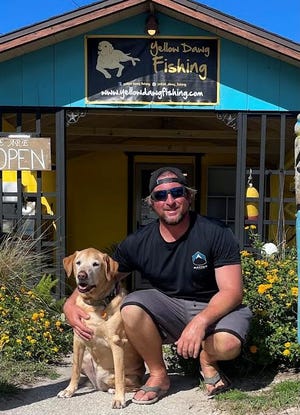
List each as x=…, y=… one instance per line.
x=17, y=153
x=155, y=71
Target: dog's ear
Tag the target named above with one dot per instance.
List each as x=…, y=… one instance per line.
x=111, y=267
x=68, y=263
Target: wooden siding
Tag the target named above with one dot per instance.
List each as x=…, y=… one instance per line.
x=54, y=76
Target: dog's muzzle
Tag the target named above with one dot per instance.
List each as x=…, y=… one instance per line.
x=83, y=282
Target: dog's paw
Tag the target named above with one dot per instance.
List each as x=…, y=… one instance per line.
x=118, y=403
x=66, y=393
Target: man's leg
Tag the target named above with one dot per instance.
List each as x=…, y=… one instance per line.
x=217, y=347
x=145, y=338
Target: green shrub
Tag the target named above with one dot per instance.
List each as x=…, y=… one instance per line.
x=271, y=291
x=32, y=325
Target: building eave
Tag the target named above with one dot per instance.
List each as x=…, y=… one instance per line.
x=107, y=12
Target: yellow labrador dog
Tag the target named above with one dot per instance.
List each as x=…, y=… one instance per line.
x=108, y=359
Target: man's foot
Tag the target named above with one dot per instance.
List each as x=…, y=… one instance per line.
x=216, y=384
x=215, y=381
x=152, y=391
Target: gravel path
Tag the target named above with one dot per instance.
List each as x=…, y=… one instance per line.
x=185, y=397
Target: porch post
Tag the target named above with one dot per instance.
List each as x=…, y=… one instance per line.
x=240, y=178
x=297, y=192
x=61, y=197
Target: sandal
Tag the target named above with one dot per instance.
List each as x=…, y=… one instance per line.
x=219, y=376
x=156, y=389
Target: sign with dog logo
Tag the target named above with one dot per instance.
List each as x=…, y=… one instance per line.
x=152, y=71
x=18, y=152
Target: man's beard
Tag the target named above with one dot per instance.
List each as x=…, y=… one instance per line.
x=173, y=221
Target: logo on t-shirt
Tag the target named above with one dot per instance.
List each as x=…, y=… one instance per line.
x=199, y=260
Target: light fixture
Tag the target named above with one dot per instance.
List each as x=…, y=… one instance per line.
x=152, y=25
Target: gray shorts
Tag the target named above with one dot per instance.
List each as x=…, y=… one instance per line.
x=171, y=315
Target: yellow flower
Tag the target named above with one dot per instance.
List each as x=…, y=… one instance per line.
x=55, y=349
x=262, y=288
x=31, y=294
x=35, y=316
x=42, y=314
x=4, y=339
x=272, y=278
x=47, y=324
x=245, y=253
x=286, y=352
x=253, y=349
x=282, y=295
x=33, y=341
x=260, y=263
x=252, y=226
x=287, y=345
x=58, y=324
x=294, y=291
x=29, y=338
x=291, y=272
x=47, y=335
x=19, y=341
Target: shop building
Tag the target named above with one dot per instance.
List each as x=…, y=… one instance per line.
x=91, y=103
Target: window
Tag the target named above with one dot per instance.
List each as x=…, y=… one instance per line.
x=221, y=194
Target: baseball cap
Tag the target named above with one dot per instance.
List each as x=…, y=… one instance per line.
x=154, y=181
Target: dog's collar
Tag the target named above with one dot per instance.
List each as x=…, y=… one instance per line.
x=105, y=301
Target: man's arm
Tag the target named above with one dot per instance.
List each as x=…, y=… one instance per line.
x=229, y=296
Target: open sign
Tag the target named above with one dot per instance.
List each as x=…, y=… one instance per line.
x=25, y=153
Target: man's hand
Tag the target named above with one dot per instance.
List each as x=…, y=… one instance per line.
x=76, y=316
x=189, y=343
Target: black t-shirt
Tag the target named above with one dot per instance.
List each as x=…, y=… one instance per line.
x=184, y=268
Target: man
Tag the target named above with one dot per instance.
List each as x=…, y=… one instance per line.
x=193, y=265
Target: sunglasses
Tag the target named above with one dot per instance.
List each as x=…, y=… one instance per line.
x=162, y=195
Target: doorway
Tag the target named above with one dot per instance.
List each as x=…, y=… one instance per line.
x=142, y=213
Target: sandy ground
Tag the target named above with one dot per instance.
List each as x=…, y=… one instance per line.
x=185, y=397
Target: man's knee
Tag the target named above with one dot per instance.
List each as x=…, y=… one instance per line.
x=131, y=312
x=223, y=344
